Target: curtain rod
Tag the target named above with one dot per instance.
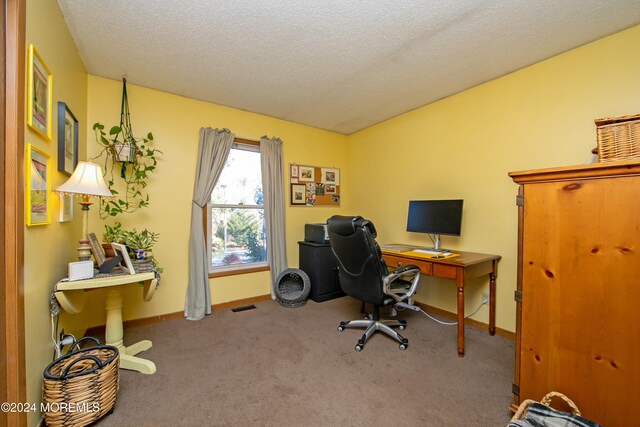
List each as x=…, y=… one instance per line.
x=250, y=138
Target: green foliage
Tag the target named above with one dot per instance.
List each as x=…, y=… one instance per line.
x=114, y=234
x=133, y=171
x=256, y=251
x=242, y=229
x=246, y=231
x=133, y=239
x=240, y=225
x=144, y=239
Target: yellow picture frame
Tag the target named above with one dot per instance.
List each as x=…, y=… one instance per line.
x=39, y=95
x=38, y=187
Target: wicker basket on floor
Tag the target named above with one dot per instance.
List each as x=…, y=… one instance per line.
x=546, y=401
x=81, y=387
x=618, y=138
x=532, y=413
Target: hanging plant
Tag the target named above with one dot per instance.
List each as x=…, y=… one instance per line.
x=131, y=158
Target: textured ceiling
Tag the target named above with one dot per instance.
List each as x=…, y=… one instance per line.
x=333, y=64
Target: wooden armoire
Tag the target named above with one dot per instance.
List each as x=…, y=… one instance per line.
x=578, y=291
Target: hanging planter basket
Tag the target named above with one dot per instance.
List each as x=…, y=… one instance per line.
x=132, y=159
x=123, y=152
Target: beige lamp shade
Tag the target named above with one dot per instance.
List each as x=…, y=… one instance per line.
x=86, y=180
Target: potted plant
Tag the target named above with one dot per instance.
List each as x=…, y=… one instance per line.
x=112, y=234
x=132, y=158
x=141, y=243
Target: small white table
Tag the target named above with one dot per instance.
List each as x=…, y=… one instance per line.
x=71, y=297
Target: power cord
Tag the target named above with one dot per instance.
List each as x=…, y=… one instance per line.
x=54, y=309
x=401, y=306
x=66, y=339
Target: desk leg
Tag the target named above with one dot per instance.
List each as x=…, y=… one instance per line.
x=114, y=336
x=460, y=284
x=492, y=301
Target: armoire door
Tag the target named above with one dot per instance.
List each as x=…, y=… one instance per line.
x=580, y=310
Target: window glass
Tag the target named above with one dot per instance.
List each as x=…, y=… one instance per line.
x=238, y=234
x=241, y=181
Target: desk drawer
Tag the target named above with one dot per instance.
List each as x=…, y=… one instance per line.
x=425, y=267
x=444, y=271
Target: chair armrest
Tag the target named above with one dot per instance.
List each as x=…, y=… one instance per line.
x=404, y=269
x=402, y=294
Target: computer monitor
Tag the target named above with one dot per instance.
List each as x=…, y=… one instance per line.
x=435, y=217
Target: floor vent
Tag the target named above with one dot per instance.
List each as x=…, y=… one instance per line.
x=243, y=308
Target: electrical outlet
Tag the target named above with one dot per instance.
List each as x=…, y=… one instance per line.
x=485, y=298
x=68, y=339
x=65, y=339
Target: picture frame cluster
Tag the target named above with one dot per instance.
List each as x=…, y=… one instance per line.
x=314, y=186
x=38, y=172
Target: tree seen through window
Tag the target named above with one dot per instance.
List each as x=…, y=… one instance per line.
x=238, y=234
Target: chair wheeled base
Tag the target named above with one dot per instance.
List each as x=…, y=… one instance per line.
x=372, y=324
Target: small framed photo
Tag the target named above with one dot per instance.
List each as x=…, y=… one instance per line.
x=330, y=189
x=330, y=176
x=310, y=197
x=66, y=207
x=96, y=249
x=298, y=194
x=307, y=173
x=67, y=140
x=38, y=187
x=121, y=250
x=294, y=171
x=39, y=95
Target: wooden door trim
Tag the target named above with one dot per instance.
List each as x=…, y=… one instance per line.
x=12, y=344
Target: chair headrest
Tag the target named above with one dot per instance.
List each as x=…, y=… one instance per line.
x=347, y=225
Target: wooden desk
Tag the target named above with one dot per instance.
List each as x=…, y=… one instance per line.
x=70, y=295
x=468, y=265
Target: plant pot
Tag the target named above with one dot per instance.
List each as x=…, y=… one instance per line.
x=140, y=254
x=108, y=250
x=124, y=152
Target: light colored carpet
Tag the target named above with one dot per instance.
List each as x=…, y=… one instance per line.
x=276, y=366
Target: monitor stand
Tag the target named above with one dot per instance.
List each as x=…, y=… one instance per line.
x=436, y=242
x=435, y=239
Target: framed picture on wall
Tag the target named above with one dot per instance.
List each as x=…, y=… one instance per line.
x=67, y=140
x=294, y=171
x=298, y=194
x=38, y=187
x=307, y=173
x=330, y=176
x=39, y=95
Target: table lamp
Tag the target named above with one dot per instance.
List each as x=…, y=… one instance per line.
x=86, y=181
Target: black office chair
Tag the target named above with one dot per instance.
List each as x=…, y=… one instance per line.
x=364, y=276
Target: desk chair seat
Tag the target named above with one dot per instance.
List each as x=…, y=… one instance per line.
x=363, y=275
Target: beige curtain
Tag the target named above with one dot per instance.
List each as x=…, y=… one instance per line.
x=213, y=151
x=273, y=193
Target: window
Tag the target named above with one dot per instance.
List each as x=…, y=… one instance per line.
x=237, y=229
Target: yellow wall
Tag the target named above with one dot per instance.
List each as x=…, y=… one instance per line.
x=48, y=248
x=175, y=122
x=464, y=146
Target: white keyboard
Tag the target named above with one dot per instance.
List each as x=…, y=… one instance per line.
x=431, y=252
